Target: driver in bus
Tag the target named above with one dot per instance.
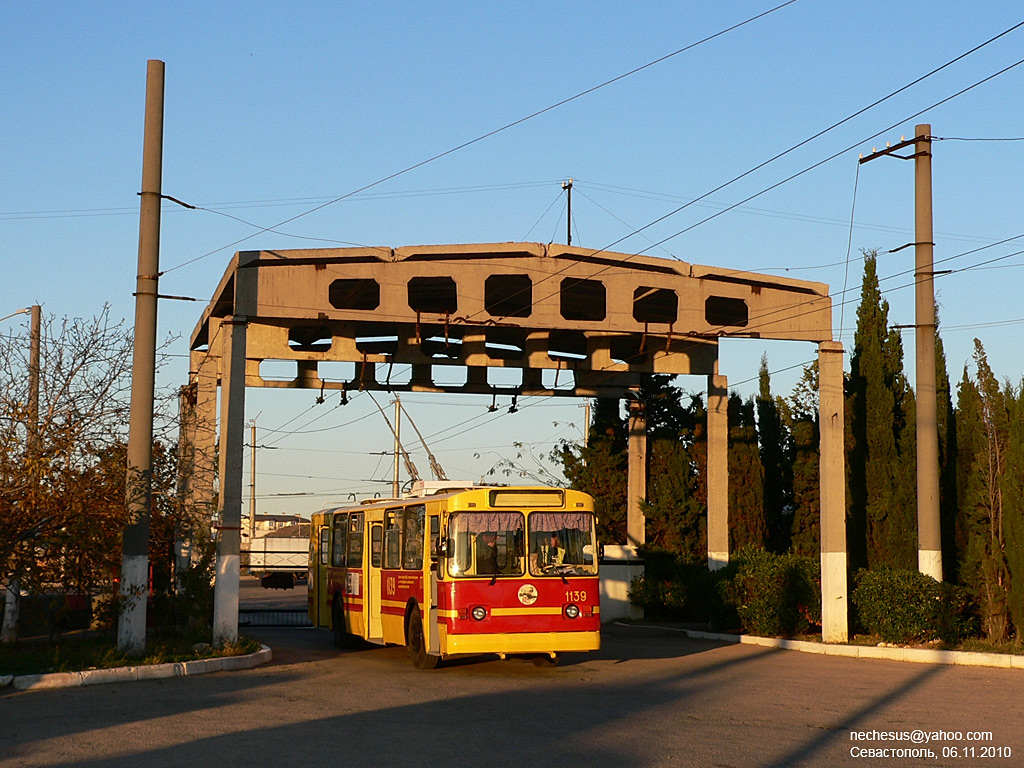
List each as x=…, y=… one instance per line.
x=552, y=554
x=487, y=552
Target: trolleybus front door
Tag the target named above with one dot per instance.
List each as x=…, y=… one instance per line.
x=375, y=630
x=323, y=611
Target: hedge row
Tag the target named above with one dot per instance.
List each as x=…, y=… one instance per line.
x=758, y=591
x=775, y=595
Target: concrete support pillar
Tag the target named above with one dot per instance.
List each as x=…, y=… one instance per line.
x=637, y=474
x=197, y=470
x=204, y=469
x=186, y=462
x=834, y=609
x=232, y=439
x=929, y=527
x=718, y=472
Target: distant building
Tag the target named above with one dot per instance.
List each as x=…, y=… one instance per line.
x=271, y=524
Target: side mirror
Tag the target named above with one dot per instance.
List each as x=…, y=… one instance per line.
x=443, y=547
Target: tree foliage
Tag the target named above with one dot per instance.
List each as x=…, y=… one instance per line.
x=774, y=465
x=880, y=403
x=747, y=524
x=775, y=442
x=984, y=410
x=62, y=469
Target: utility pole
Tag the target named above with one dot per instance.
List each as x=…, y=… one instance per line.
x=567, y=186
x=131, y=625
x=929, y=531
x=586, y=423
x=33, y=381
x=252, y=489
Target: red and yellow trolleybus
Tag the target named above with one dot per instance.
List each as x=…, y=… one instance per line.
x=505, y=570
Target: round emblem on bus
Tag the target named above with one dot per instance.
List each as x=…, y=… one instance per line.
x=527, y=594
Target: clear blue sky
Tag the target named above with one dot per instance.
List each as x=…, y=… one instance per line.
x=273, y=109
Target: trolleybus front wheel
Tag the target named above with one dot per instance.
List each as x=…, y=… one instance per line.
x=417, y=642
x=547, y=660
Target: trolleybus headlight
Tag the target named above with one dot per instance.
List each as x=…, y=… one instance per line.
x=572, y=611
x=479, y=613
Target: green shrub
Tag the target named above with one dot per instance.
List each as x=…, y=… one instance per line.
x=764, y=593
x=673, y=588
x=904, y=606
x=774, y=595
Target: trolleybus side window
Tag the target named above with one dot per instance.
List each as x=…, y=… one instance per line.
x=376, y=544
x=340, y=530
x=435, y=531
x=412, y=540
x=355, y=540
x=472, y=534
x=393, y=539
x=562, y=543
x=325, y=540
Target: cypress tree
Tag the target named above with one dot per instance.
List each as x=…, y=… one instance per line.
x=1012, y=486
x=600, y=468
x=983, y=433
x=746, y=501
x=776, y=449
x=676, y=514
x=676, y=520
x=968, y=448
x=881, y=455
x=946, y=426
x=805, y=525
x=805, y=533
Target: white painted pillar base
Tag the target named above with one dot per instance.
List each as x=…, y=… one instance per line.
x=834, y=609
x=929, y=562
x=225, y=601
x=131, y=618
x=12, y=607
x=717, y=560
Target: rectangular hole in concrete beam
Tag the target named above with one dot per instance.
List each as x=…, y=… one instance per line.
x=279, y=370
x=561, y=379
x=336, y=370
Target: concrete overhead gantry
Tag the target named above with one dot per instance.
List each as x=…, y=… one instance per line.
x=604, y=319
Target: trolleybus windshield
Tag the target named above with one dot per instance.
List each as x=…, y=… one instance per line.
x=562, y=543
x=503, y=543
x=486, y=544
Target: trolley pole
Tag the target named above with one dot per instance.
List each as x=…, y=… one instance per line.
x=567, y=186
x=396, y=485
x=131, y=625
x=929, y=531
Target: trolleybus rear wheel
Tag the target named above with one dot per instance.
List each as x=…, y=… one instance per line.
x=417, y=642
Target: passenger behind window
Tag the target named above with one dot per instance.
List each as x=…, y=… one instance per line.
x=487, y=553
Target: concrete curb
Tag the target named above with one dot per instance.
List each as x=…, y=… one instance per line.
x=913, y=655
x=131, y=674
